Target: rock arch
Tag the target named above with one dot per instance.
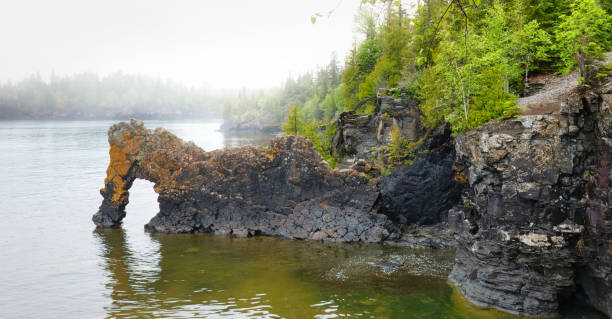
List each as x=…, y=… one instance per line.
x=283, y=190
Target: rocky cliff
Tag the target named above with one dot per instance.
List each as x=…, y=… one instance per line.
x=419, y=193
x=358, y=135
x=284, y=190
x=535, y=227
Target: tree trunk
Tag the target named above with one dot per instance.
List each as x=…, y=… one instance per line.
x=526, y=72
x=580, y=58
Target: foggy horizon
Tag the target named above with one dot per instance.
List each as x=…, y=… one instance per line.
x=194, y=43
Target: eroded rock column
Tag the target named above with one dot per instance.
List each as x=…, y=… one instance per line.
x=535, y=225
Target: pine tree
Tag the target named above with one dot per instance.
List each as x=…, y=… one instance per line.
x=584, y=35
x=532, y=44
x=294, y=123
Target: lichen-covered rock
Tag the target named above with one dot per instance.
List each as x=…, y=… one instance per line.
x=283, y=190
x=536, y=226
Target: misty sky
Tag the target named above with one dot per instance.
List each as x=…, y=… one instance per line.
x=253, y=43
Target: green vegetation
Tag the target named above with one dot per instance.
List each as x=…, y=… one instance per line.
x=466, y=61
x=583, y=35
x=317, y=94
x=399, y=149
x=295, y=124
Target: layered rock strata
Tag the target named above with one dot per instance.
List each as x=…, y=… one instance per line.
x=536, y=225
x=284, y=190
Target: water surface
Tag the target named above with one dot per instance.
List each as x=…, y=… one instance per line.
x=55, y=264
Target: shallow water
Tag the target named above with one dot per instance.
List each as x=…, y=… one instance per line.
x=55, y=264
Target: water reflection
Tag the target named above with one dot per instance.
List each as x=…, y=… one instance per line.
x=200, y=275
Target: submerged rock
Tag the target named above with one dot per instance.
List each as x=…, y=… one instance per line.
x=284, y=190
x=536, y=226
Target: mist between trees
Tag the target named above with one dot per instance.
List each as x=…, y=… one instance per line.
x=465, y=61
x=116, y=96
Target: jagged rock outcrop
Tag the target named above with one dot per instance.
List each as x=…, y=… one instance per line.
x=416, y=194
x=284, y=190
x=536, y=226
x=423, y=192
x=357, y=136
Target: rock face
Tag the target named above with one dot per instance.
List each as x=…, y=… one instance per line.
x=284, y=190
x=357, y=135
x=416, y=194
x=423, y=192
x=536, y=226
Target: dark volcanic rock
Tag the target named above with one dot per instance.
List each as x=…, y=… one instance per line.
x=537, y=226
x=284, y=190
x=357, y=135
x=424, y=191
x=420, y=193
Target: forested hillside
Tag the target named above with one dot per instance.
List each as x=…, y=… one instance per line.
x=116, y=96
x=465, y=61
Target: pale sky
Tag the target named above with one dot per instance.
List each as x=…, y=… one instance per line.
x=225, y=44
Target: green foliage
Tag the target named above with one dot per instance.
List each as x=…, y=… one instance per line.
x=470, y=83
x=308, y=91
x=584, y=35
x=358, y=66
x=297, y=124
x=399, y=149
x=532, y=44
x=294, y=123
x=464, y=61
x=492, y=102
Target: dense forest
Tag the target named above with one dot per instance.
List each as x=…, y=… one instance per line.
x=116, y=96
x=465, y=61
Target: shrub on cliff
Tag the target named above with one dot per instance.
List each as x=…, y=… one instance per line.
x=296, y=124
x=584, y=35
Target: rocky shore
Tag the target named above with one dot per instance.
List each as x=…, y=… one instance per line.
x=536, y=226
x=284, y=190
x=525, y=201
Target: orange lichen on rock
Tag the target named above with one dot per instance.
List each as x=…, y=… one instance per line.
x=270, y=156
x=122, y=155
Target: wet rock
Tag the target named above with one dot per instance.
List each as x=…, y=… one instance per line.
x=284, y=190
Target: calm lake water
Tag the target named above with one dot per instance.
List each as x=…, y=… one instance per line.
x=55, y=264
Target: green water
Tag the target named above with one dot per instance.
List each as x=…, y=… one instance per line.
x=213, y=276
